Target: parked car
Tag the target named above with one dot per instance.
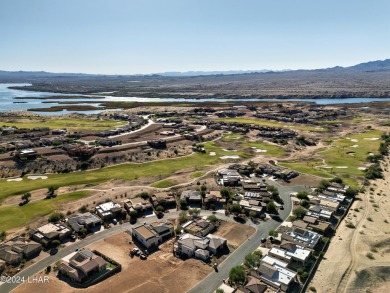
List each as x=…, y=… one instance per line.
x=142, y=256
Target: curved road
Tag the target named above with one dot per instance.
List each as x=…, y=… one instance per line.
x=212, y=281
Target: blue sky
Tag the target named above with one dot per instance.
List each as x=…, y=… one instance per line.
x=147, y=36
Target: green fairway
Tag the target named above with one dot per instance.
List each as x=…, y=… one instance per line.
x=343, y=159
x=56, y=123
x=352, y=153
x=272, y=150
x=16, y=216
x=307, y=167
x=164, y=183
x=271, y=123
x=130, y=171
x=229, y=137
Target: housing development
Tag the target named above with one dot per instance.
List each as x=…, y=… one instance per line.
x=236, y=198
x=194, y=146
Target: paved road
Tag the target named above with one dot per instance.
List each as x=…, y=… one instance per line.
x=214, y=279
x=207, y=285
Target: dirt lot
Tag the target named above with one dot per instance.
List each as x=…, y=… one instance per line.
x=235, y=233
x=358, y=259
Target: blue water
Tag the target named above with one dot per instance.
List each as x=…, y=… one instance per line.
x=7, y=96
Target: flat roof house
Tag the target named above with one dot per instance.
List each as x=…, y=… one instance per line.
x=275, y=273
x=163, y=199
x=290, y=252
x=81, y=265
x=191, y=196
x=49, y=232
x=138, y=204
x=108, y=210
x=152, y=235
x=302, y=237
x=198, y=227
x=13, y=251
x=86, y=220
x=189, y=245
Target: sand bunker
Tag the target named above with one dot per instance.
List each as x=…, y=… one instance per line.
x=372, y=138
x=342, y=167
x=225, y=150
x=362, y=168
x=230, y=157
x=37, y=177
x=354, y=140
x=260, y=151
x=354, y=146
x=15, y=179
x=212, y=153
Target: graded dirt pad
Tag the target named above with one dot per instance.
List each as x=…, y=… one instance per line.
x=358, y=259
x=234, y=233
x=160, y=273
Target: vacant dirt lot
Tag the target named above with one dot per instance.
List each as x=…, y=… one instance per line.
x=235, y=233
x=358, y=258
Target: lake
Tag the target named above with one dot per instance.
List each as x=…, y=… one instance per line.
x=7, y=100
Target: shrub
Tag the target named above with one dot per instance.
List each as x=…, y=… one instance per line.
x=83, y=209
x=350, y=225
x=273, y=233
x=299, y=213
x=212, y=218
x=183, y=217
x=159, y=209
x=237, y=275
x=55, y=217
x=183, y=204
x=271, y=207
x=55, y=243
x=143, y=195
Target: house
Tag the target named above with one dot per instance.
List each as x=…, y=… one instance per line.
x=163, y=198
x=290, y=252
x=81, y=265
x=26, y=154
x=108, y=210
x=152, y=235
x=189, y=245
x=192, y=196
x=316, y=225
x=15, y=250
x=138, y=204
x=86, y=220
x=229, y=177
x=49, y=232
x=275, y=273
x=302, y=237
x=252, y=206
x=198, y=227
x=213, y=196
x=319, y=212
x=254, y=285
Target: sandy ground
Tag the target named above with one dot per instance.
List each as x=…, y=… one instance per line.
x=358, y=259
x=235, y=233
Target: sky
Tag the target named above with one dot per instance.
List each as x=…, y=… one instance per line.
x=151, y=36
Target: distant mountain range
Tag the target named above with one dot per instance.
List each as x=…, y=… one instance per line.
x=380, y=65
